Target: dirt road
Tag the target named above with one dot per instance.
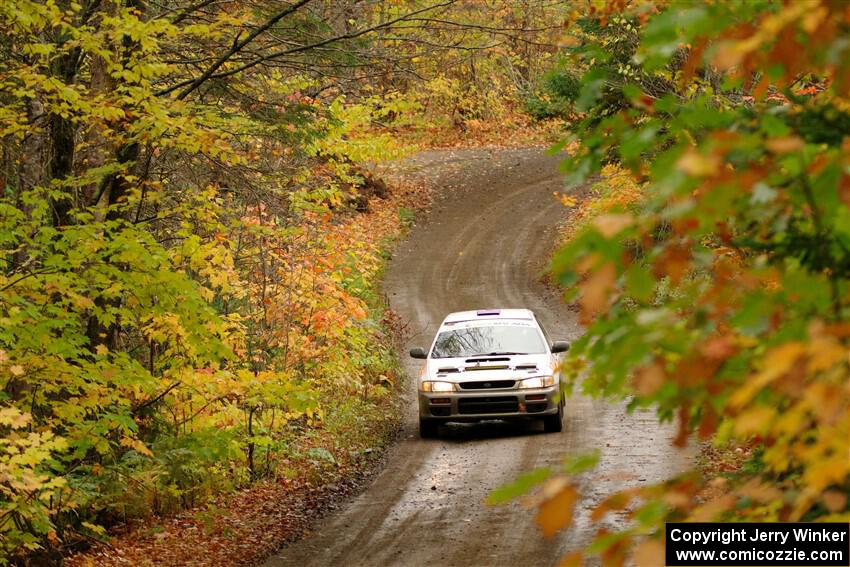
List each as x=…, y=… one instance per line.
x=483, y=245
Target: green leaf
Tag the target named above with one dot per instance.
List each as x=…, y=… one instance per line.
x=577, y=464
x=520, y=486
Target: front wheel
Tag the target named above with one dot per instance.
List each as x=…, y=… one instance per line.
x=554, y=423
x=428, y=428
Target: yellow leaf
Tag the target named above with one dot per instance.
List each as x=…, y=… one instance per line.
x=566, y=200
x=101, y=350
x=137, y=445
x=14, y=418
x=753, y=421
x=16, y=370
x=827, y=471
x=824, y=352
x=780, y=359
x=776, y=363
x=792, y=420
x=556, y=512
x=696, y=164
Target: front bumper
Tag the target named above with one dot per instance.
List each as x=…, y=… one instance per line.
x=489, y=404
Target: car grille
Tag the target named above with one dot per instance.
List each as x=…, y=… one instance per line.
x=492, y=384
x=497, y=404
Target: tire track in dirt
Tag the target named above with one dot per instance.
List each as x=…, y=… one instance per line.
x=484, y=243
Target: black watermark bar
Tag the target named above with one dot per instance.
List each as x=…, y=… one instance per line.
x=761, y=544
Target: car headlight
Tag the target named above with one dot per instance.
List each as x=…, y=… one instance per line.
x=538, y=382
x=430, y=386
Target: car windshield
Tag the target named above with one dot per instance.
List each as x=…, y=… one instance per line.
x=490, y=339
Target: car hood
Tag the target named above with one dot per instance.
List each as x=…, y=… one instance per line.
x=484, y=368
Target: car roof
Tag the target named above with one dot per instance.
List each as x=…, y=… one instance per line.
x=488, y=314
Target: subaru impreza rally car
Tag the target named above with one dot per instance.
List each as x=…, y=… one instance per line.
x=490, y=364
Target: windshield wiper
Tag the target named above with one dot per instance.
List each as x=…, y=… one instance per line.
x=495, y=353
x=501, y=352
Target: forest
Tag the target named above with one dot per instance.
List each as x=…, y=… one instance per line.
x=193, y=239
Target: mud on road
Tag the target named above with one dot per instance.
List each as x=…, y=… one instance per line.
x=484, y=244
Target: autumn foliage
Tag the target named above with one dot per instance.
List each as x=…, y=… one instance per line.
x=171, y=317
x=190, y=242
x=720, y=296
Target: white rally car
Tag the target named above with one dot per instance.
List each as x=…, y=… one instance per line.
x=490, y=364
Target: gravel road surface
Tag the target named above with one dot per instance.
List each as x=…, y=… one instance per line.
x=484, y=243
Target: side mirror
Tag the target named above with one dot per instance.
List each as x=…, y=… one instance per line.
x=560, y=346
x=418, y=352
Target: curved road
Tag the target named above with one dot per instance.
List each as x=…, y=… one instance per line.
x=484, y=244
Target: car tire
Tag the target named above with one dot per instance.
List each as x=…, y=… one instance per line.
x=428, y=428
x=554, y=423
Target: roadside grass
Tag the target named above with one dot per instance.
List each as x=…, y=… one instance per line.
x=324, y=465
x=407, y=216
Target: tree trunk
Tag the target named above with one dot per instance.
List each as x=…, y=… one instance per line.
x=62, y=133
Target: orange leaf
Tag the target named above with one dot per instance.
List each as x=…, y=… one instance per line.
x=727, y=54
x=674, y=261
x=834, y=500
x=571, y=560
x=784, y=144
x=844, y=189
x=694, y=59
x=681, y=438
x=610, y=225
x=648, y=379
x=596, y=289
x=759, y=492
x=718, y=348
x=649, y=554
x=708, y=424
x=613, y=503
x=556, y=512
x=711, y=510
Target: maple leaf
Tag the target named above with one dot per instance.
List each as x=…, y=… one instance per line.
x=556, y=511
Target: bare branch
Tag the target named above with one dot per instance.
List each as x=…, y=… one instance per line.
x=192, y=84
x=237, y=46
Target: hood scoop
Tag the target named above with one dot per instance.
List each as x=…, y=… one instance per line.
x=526, y=367
x=447, y=370
x=476, y=363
